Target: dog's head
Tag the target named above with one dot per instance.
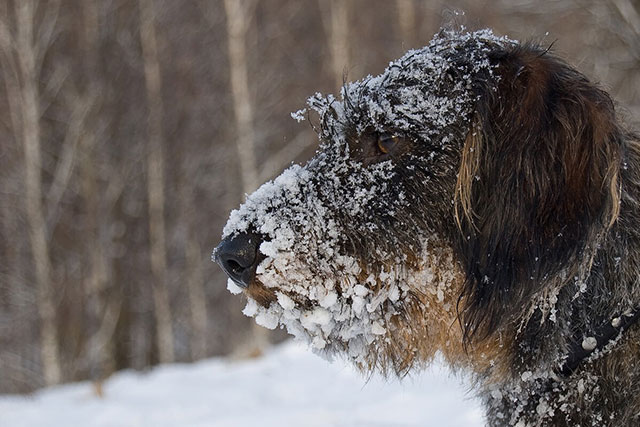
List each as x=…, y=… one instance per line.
x=456, y=186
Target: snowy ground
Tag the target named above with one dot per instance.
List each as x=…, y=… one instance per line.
x=288, y=387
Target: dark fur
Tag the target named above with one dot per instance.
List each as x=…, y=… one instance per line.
x=544, y=225
x=557, y=135
x=551, y=203
x=555, y=207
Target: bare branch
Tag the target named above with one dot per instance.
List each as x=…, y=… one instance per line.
x=94, y=349
x=54, y=85
x=629, y=13
x=11, y=75
x=7, y=42
x=47, y=30
x=65, y=166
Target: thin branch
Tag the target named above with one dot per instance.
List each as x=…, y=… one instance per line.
x=7, y=42
x=11, y=80
x=101, y=338
x=66, y=164
x=47, y=30
x=629, y=13
x=54, y=85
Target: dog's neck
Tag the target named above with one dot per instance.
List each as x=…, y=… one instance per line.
x=564, y=370
x=602, y=339
x=614, y=309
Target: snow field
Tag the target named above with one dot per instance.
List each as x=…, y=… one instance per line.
x=289, y=386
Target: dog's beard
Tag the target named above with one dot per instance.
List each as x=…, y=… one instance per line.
x=334, y=300
x=323, y=295
x=356, y=313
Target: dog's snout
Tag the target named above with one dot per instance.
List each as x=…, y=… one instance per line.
x=238, y=257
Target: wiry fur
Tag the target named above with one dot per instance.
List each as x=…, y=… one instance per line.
x=533, y=197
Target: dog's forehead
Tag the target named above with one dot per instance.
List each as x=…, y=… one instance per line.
x=420, y=94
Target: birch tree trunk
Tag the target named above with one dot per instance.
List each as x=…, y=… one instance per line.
x=407, y=21
x=193, y=255
x=336, y=21
x=102, y=313
x=155, y=182
x=238, y=18
x=26, y=49
x=237, y=23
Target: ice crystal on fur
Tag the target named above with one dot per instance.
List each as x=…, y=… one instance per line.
x=410, y=95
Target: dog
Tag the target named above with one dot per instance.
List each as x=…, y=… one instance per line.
x=479, y=199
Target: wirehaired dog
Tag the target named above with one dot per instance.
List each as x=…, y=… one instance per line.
x=480, y=199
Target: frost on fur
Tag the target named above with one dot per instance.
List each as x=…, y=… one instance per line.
x=337, y=285
x=477, y=198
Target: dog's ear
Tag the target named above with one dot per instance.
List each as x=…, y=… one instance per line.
x=538, y=179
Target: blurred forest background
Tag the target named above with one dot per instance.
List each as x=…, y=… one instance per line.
x=130, y=128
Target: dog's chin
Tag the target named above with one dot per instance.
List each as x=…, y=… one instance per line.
x=378, y=320
x=334, y=331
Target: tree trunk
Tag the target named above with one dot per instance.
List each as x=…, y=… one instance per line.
x=155, y=183
x=407, y=21
x=237, y=23
x=336, y=22
x=102, y=313
x=30, y=115
x=197, y=298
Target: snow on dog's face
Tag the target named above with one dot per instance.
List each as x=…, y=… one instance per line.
x=353, y=255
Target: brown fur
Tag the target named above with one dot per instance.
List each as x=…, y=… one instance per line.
x=261, y=294
x=541, y=179
x=539, y=249
x=563, y=176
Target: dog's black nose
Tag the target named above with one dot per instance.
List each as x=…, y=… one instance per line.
x=238, y=257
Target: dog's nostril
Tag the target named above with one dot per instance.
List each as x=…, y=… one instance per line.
x=238, y=257
x=234, y=266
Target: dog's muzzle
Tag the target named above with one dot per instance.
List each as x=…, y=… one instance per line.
x=238, y=257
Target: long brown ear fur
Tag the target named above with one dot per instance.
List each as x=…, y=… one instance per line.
x=538, y=176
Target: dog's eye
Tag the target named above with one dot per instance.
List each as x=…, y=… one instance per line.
x=386, y=142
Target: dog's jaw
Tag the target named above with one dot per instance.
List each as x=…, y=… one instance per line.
x=364, y=315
